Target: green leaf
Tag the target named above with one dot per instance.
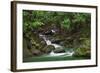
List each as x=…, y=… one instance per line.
x=66, y=23
x=37, y=24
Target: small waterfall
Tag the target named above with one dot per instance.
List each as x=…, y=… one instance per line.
x=48, y=42
x=70, y=53
x=56, y=45
x=53, y=31
x=51, y=53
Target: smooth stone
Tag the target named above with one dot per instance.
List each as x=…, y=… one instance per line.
x=48, y=32
x=59, y=50
x=56, y=41
x=36, y=52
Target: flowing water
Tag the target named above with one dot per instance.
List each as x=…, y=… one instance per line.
x=48, y=42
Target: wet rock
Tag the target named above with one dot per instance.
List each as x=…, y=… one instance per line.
x=36, y=52
x=42, y=44
x=56, y=41
x=49, y=32
x=62, y=43
x=48, y=49
x=59, y=50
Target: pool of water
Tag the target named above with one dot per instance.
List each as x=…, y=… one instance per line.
x=61, y=57
x=56, y=58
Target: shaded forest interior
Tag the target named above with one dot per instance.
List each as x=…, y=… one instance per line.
x=71, y=30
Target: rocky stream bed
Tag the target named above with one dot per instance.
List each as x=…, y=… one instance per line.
x=50, y=45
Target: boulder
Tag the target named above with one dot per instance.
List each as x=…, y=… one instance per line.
x=59, y=50
x=36, y=52
x=56, y=41
x=48, y=49
x=43, y=42
x=49, y=32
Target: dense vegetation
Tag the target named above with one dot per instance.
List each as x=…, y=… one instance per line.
x=72, y=30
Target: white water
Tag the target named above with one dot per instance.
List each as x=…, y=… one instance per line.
x=53, y=31
x=48, y=42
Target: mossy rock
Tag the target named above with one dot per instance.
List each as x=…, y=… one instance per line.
x=82, y=52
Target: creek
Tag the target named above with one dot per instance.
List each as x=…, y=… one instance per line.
x=52, y=53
